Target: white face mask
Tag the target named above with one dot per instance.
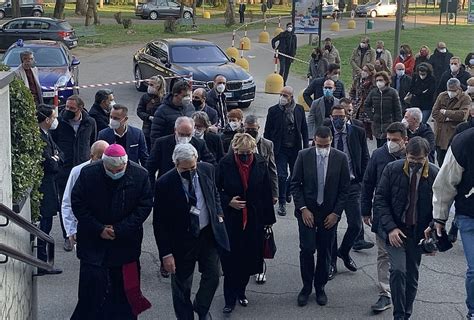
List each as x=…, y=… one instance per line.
x=380, y=84
x=363, y=45
x=54, y=125
x=364, y=74
x=182, y=140
x=151, y=90
x=289, y=29
x=112, y=103
x=442, y=50
x=393, y=147
x=186, y=100
x=114, y=124
x=323, y=152
x=198, y=134
x=405, y=122
x=234, y=125
x=454, y=68
x=220, y=87
x=334, y=77
x=283, y=101
x=471, y=62
x=379, y=50
x=400, y=73
x=451, y=94
x=422, y=77
x=470, y=89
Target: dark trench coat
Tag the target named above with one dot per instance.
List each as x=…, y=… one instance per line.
x=246, y=245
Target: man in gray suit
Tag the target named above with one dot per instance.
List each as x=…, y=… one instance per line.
x=320, y=186
x=321, y=108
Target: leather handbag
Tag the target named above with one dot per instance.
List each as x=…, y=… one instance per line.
x=269, y=246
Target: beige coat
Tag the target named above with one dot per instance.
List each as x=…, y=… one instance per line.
x=20, y=72
x=332, y=56
x=445, y=124
x=357, y=61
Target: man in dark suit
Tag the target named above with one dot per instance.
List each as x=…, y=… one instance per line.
x=347, y=104
x=161, y=154
x=199, y=103
x=401, y=82
x=320, y=186
x=100, y=110
x=286, y=127
x=189, y=227
x=352, y=141
x=241, y=11
x=120, y=132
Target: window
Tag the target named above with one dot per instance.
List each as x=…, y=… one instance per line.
x=37, y=25
x=18, y=24
x=44, y=57
x=159, y=50
x=197, y=54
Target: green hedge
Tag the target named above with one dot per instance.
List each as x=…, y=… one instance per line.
x=27, y=146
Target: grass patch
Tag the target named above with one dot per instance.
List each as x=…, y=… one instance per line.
x=459, y=40
x=115, y=35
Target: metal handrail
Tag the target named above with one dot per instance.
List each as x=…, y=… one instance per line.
x=32, y=229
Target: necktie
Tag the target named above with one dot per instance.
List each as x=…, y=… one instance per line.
x=410, y=216
x=195, y=228
x=340, y=143
x=320, y=169
x=398, y=84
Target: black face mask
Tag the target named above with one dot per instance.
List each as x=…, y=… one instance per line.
x=197, y=104
x=244, y=157
x=68, y=115
x=253, y=133
x=328, y=47
x=314, y=55
x=415, y=166
x=188, y=175
x=402, y=52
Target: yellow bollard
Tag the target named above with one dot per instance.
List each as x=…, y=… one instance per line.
x=264, y=37
x=242, y=62
x=334, y=26
x=245, y=43
x=206, y=15
x=302, y=102
x=351, y=24
x=232, y=52
x=277, y=31
x=273, y=83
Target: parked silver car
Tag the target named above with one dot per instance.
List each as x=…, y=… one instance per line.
x=161, y=9
x=377, y=8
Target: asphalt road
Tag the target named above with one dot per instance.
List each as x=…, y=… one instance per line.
x=441, y=292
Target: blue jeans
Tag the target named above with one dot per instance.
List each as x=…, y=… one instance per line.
x=466, y=228
x=285, y=158
x=426, y=115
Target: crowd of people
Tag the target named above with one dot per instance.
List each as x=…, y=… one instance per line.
x=214, y=180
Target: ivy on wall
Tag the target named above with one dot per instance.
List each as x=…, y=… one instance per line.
x=27, y=146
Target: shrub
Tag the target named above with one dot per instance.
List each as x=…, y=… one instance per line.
x=27, y=146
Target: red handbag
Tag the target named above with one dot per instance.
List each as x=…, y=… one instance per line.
x=269, y=246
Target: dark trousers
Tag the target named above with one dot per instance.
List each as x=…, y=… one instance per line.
x=61, y=181
x=204, y=252
x=285, y=64
x=241, y=16
x=311, y=239
x=148, y=143
x=404, y=264
x=45, y=225
x=235, y=283
x=380, y=142
x=440, y=155
x=101, y=294
x=354, y=223
x=284, y=159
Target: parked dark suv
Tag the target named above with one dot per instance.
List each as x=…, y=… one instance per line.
x=27, y=8
x=161, y=9
x=32, y=28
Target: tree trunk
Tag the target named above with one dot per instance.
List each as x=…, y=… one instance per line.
x=59, y=9
x=81, y=7
x=16, y=8
x=229, y=14
x=407, y=7
x=181, y=9
x=92, y=13
x=194, y=12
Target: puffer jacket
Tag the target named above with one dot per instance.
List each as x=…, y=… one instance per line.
x=392, y=194
x=165, y=117
x=422, y=91
x=383, y=108
x=456, y=112
x=440, y=63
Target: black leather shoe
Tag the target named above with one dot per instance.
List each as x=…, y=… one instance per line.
x=321, y=297
x=42, y=272
x=288, y=198
x=348, y=262
x=332, y=272
x=228, y=309
x=303, y=297
x=362, y=245
x=243, y=301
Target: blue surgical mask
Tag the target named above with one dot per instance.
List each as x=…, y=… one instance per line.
x=115, y=176
x=327, y=92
